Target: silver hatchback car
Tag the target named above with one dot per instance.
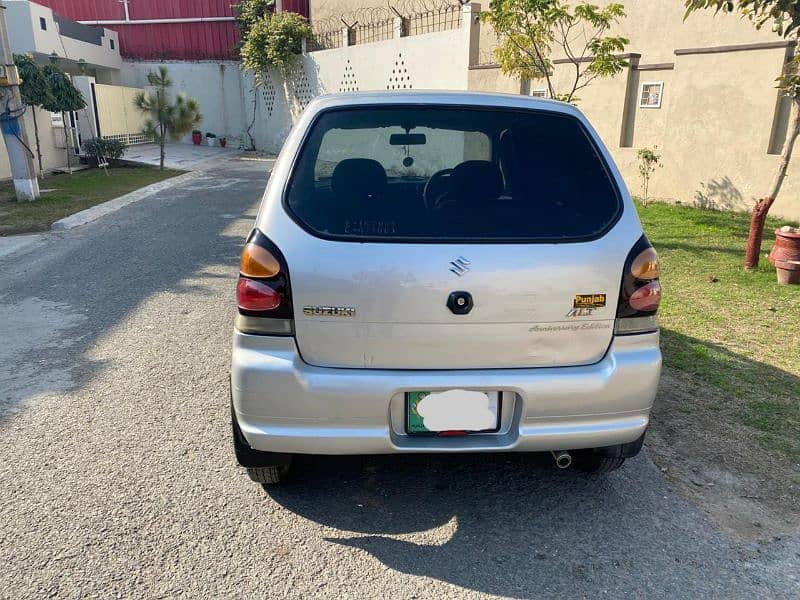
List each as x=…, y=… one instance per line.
x=444, y=272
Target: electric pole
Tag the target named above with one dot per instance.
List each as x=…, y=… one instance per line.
x=12, y=123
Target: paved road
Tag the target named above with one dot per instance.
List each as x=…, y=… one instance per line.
x=117, y=478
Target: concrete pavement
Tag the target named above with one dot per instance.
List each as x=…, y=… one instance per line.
x=187, y=157
x=117, y=478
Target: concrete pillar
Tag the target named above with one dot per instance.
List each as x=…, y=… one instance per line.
x=345, y=37
x=470, y=24
x=397, y=27
x=87, y=118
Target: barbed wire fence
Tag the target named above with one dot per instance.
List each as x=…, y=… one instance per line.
x=378, y=23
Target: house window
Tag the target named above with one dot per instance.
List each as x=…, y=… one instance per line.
x=650, y=96
x=113, y=45
x=43, y=23
x=56, y=119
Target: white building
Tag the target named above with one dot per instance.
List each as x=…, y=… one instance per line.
x=91, y=56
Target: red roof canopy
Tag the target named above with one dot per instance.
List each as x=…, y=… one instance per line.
x=177, y=41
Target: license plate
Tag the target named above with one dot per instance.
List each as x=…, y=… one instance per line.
x=467, y=411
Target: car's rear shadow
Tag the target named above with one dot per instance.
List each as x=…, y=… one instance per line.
x=512, y=525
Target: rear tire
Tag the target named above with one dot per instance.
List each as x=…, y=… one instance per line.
x=595, y=463
x=607, y=458
x=266, y=468
x=269, y=475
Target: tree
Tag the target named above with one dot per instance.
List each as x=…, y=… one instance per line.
x=648, y=161
x=249, y=12
x=35, y=91
x=166, y=118
x=66, y=98
x=273, y=42
x=529, y=30
x=785, y=18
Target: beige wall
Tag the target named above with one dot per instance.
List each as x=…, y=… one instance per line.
x=656, y=28
x=52, y=156
x=720, y=119
x=492, y=79
x=116, y=110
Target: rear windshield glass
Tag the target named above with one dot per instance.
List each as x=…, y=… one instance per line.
x=447, y=174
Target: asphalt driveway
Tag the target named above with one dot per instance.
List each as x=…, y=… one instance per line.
x=117, y=477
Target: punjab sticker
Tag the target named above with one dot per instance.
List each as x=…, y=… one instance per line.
x=589, y=301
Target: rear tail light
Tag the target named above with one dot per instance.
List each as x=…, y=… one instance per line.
x=640, y=292
x=646, y=298
x=263, y=292
x=255, y=296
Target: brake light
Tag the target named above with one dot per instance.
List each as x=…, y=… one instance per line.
x=640, y=292
x=646, y=298
x=253, y=295
x=263, y=292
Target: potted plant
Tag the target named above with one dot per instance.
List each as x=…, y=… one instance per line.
x=211, y=139
x=197, y=137
x=223, y=141
x=785, y=255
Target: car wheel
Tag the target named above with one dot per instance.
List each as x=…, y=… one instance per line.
x=269, y=475
x=595, y=463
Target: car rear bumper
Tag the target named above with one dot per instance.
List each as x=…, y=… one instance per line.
x=285, y=405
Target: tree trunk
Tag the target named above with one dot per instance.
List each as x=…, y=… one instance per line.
x=291, y=102
x=646, y=185
x=162, y=144
x=253, y=122
x=761, y=209
x=67, y=140
x=38, y=145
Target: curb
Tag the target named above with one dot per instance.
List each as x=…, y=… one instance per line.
x=95, y=212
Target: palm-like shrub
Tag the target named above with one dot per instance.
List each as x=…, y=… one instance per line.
x=166, y=118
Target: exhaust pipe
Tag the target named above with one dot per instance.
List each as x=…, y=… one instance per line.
x=562, y=458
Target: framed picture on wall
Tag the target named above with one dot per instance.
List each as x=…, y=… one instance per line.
x=650, y=94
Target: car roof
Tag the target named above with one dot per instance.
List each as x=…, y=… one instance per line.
x=438, y=97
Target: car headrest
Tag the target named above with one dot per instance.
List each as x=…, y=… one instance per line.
x=476, y=180
x=507, y=158
x=358, y=178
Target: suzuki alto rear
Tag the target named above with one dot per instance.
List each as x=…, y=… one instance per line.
x=444, y=272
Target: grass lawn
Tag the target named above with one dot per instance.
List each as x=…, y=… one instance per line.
x=737, y=333
x=71, y=193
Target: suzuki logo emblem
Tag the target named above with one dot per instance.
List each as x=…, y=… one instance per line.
x=459, y=266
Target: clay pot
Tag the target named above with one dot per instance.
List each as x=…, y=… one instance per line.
x=785, y=255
